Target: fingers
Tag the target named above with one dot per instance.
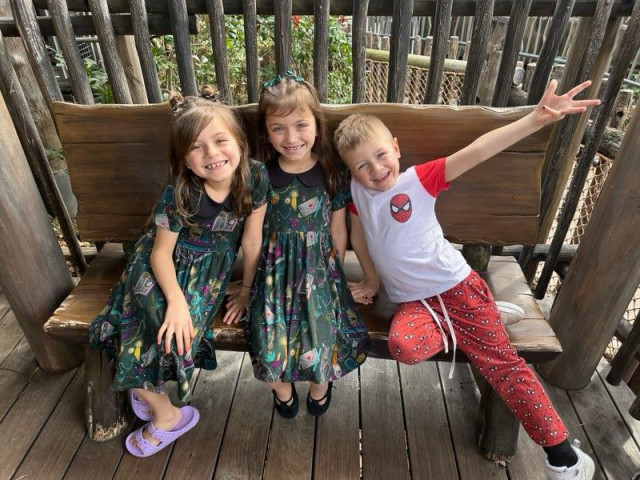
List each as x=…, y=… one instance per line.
x=553, y=86
x=578, y=88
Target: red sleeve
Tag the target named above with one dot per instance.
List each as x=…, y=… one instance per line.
x=431, y=175
x=352, y=208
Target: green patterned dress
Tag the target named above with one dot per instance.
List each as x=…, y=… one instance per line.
x=203, y=258
x=303, y=321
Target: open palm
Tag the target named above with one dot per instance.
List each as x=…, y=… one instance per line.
x=554, y=107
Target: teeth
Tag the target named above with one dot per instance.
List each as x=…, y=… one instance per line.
x=211, y=166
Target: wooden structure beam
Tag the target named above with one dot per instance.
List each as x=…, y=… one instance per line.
x=539, y=8
x=604, y=273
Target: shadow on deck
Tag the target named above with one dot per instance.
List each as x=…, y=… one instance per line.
x=387, y=421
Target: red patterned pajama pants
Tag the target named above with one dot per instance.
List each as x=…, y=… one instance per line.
x=415, y=336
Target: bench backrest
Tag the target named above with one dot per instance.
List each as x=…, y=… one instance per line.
x=118, y=162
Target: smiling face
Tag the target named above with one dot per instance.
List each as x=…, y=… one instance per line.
x=214, y=155
x=374, y=163
x=293, y=135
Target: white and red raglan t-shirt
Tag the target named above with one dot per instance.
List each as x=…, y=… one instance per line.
x=405, y=240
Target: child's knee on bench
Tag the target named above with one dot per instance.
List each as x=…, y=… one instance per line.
x=413, y=336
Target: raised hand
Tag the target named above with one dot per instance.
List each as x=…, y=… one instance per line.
x=552, y=107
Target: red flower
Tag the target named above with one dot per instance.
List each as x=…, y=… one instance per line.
x=296, y=20
x=341, y=19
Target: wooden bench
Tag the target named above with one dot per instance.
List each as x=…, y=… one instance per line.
x=117, y=157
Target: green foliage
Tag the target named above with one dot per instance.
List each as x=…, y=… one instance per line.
x=339, y=81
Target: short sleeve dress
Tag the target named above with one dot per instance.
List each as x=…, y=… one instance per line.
x=303, y=322
x=203, y=258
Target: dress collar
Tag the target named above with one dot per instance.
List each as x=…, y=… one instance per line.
x=207, y=208
x=313, y=177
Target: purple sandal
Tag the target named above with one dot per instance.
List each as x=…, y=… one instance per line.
x=144, y=448
x=141, y=408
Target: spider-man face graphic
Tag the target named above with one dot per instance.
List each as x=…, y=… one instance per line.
x=400, y=207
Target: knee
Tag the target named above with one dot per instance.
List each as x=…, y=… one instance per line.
x=405, y=351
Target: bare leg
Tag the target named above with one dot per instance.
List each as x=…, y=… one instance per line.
x=283, y=391
x=317, y=392
x=165, y=414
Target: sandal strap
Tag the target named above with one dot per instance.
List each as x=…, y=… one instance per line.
x=160, y=435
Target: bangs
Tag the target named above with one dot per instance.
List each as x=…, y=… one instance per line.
x=283, y=105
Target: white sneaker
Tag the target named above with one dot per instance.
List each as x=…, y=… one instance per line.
x=582, y=470
x=511, y=313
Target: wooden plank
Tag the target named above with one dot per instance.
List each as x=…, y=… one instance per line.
x=4, y=306
x=141, y=27
x=219, y=42
x=400, y=39
x=107, y=40
x=27, y=416
x=45, y=276
x=378, y=7
x=550, y=49
x=510, y=51
x=462, y=399
x=69, y=46
x=83, y=25
x=442, y=24
x=384, y=453
x=282, y=12
x=96, y=460
x=321, y=47
x=57, y=443
x=247, y=433
x=10, y=334
x=251, y=49
x=17, y=367
x=622, y=397
x=358, y=49
x=36, y=51
x=340, y=459
x=614, y=446
x=196, y=456
x=180, y=29
x=293, y=435
x=426, y=423
x=478, y=49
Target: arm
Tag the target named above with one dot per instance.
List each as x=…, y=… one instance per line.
x=338, y=228
x=177, y=319
x=250, y=243
x=550, y=109
x=364, y=291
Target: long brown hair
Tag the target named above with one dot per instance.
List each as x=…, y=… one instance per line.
x=190, y=116
x=283, y=97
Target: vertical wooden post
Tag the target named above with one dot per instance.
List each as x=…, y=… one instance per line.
x=604, y=273
x=33, y=273
x=131, y=65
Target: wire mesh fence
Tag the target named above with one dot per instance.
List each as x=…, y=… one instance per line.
x=377, y=77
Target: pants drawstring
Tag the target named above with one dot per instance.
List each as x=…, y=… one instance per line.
x=442, y=332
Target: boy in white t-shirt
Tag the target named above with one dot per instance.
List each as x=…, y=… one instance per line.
x=439, y=296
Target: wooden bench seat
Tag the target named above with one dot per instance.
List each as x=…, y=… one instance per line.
x=533, y=337
x=117, y=159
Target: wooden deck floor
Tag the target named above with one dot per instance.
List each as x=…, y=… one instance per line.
x=385, y=422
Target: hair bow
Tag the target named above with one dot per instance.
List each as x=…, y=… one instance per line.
x=278, y=78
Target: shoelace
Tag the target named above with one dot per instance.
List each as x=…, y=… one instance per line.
x=442, y=332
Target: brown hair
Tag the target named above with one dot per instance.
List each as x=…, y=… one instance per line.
x=287, y=96
x=356, y=129
x=190, y=116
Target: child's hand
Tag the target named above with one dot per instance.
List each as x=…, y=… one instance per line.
x=238, y=299
x=364, y=291
x=553, y=107
x=177, y=322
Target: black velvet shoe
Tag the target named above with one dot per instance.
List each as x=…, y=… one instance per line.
x=288, y=409
x=314, y=407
